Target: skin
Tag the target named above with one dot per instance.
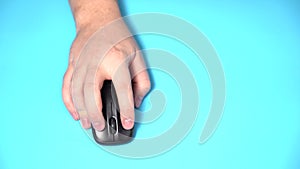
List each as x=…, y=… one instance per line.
x=123, y=64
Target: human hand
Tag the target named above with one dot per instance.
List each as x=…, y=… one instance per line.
x=123, y=64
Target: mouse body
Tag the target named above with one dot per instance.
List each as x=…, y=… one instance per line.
x=113, y=133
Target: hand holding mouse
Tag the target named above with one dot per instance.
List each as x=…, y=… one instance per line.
x=120, y=65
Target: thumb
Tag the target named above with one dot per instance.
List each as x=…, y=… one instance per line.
x=141, y=86
x=141, y=82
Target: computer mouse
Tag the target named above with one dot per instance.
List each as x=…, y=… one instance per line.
x=113, y=133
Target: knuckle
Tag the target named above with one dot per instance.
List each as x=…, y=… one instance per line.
x=127, y=111
x=78, y=73
x=65, y=87
x=117, y=54
x=66, y=96
x=76, y=89
x=145, y=86
x=68, y=104
x=94, y=116
x=82, y=113
x=73, y=52
x=89, y=85
x=92, y=70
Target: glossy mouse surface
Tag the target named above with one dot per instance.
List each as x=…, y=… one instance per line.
x=113, y=133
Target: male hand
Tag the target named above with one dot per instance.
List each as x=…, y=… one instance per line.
x=123, y=64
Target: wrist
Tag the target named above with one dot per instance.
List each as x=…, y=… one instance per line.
x=93, y=14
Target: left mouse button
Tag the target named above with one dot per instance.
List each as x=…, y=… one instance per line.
x=103, y=136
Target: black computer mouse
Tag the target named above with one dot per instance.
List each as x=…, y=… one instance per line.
x=113, y=133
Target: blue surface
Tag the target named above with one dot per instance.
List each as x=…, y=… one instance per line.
x=258, y=44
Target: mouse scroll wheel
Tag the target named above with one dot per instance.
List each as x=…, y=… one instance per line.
x=113, y=124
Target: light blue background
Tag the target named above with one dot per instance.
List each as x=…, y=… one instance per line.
x=258, y=44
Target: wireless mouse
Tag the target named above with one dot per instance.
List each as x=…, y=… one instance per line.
x=113, y=133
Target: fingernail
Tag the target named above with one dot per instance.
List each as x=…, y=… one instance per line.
x=128, y=123
x=98, y=126
x=75, y=116
x=85, y=123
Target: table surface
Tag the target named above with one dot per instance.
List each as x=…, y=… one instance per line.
x=258, y=46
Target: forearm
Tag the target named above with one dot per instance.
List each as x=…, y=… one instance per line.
x=94, y=13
